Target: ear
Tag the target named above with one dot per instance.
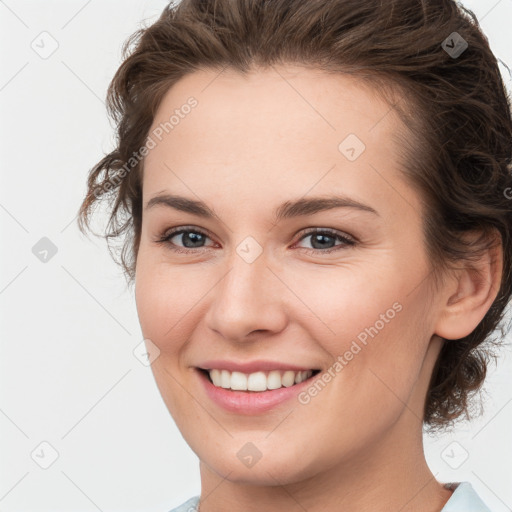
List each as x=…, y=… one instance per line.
x=470, y=292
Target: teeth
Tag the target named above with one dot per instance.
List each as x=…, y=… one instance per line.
x=258, y=381
x=274, y=379
x=238, y=381
x=288, y=379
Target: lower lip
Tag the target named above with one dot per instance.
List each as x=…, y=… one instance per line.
x=251, y=402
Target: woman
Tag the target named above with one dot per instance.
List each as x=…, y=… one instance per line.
x=313, y=199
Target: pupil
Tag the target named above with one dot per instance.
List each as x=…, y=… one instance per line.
x=195, y=237
x=320, y=237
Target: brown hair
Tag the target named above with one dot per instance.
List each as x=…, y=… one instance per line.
x=457, y=150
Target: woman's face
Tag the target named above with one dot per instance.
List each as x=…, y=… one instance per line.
x=311, y=258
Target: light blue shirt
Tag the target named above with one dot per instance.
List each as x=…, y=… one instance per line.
x=463, y=499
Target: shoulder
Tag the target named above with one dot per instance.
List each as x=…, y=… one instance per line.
x=464, y=499
x=188, y=506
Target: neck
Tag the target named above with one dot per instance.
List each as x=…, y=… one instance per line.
x=382, y=478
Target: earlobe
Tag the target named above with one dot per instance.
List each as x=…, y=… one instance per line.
x=471, y=292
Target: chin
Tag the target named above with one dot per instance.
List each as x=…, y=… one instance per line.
x=275, y=468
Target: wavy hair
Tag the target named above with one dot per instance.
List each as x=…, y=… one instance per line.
x=428, y=58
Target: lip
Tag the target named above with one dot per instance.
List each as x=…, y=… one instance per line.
x=250, y=367
x=251, y=402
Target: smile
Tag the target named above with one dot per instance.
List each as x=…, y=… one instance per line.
x=258, y=381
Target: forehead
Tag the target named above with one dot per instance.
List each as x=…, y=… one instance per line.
x=272, y=128
x=290, y=100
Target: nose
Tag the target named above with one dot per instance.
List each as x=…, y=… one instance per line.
x=248, y=300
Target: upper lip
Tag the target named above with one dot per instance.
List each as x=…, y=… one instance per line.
x=251, y=366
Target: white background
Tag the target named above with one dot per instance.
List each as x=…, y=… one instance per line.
x=69, y=326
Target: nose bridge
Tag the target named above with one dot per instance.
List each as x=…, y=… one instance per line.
x=246, y=299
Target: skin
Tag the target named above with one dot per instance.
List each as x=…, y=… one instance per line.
x=251, y=144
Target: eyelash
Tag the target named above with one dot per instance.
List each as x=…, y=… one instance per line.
x=165, y=239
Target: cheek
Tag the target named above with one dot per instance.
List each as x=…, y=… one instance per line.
x=164, y=296
x=151, y=300
x=167, y=300
x=375, y=315
x=380, y=338
x=347, y=307
x=381, y=377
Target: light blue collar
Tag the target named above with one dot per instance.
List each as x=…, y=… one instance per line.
x=463, y=499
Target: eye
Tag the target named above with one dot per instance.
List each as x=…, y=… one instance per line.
x=321, y=240
x=190, y=238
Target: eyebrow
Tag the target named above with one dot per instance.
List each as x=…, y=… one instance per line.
x=287, y=210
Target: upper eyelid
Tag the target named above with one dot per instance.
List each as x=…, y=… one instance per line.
x=180, y=229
